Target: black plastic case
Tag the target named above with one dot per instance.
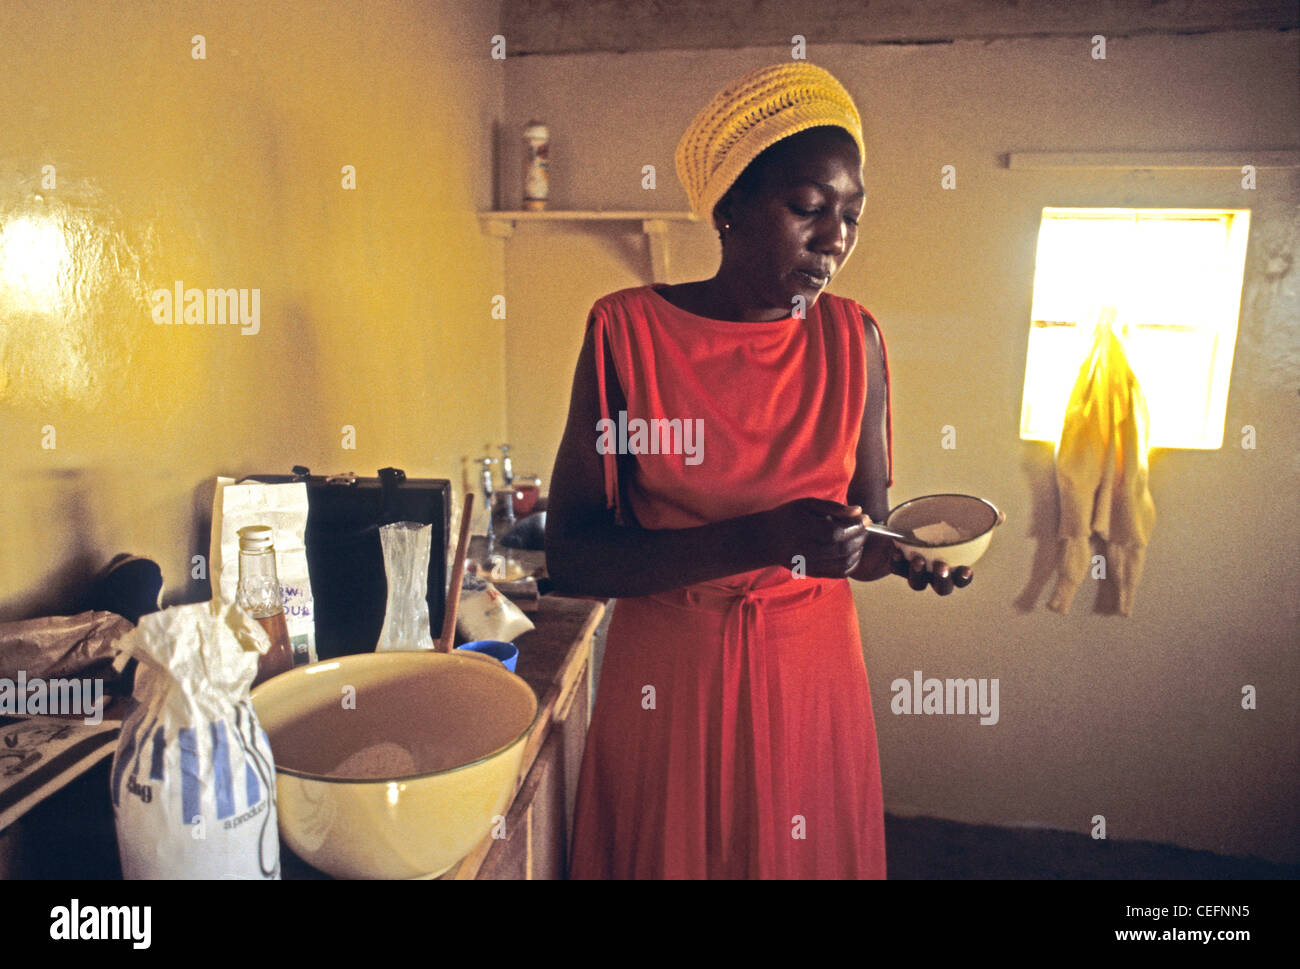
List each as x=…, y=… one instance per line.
x=345, y=560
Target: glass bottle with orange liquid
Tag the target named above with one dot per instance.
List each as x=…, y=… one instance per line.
x=259, y=596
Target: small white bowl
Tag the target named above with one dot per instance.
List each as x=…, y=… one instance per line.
x=974, y=518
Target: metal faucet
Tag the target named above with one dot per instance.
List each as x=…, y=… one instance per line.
x=485, y=478
x=507, y=470
x=486, y=488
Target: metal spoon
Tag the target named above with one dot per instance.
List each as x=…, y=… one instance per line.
x=905, y=537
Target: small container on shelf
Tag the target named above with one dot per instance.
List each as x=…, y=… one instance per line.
x=536, y=162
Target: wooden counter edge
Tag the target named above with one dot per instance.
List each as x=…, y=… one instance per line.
x=552, y=707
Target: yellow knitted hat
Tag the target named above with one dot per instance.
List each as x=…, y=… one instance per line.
x=751, y=114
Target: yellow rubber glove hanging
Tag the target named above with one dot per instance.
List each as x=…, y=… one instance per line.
x=1102, y=472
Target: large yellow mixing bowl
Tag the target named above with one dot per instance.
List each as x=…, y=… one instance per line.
x=462, y=722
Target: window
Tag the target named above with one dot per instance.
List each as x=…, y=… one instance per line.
x=1174, y=277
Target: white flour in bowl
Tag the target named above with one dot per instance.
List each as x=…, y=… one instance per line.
x=376, y=762
x=940, y=533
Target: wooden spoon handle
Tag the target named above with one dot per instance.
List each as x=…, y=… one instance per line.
x=457, y=577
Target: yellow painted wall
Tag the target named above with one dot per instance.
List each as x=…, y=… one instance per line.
x=227, y=172
x=1135, y=719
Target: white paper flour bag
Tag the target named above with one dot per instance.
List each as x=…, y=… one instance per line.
x=193, y=781
x=284, y=508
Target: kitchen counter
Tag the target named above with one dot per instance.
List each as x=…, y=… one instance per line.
x=71, y=834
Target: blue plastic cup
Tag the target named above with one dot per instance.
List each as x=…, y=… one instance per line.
x=507, y=653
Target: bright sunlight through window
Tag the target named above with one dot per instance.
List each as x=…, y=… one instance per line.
x=1174, y=276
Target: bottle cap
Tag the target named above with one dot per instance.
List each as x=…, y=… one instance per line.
x=256, y=538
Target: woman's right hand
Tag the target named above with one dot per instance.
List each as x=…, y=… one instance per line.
x=812, y=536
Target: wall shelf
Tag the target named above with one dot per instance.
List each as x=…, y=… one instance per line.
x=653, y=224
x=1144, y=160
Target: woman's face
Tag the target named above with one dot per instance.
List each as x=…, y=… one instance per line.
x=798, y=227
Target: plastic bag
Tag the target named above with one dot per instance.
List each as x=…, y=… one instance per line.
x=484, y=613
x=193, y=780
x=406, y=547
x=284, y=508
x=53, y=646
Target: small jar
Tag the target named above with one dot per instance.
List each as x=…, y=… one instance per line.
x=537, y=140
x=528, y=488
x=259, y=595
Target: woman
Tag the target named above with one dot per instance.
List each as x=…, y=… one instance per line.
x=724, y=440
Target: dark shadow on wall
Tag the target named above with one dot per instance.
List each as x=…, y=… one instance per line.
x=64, y=589
x=1037, y=466
x=187, y=588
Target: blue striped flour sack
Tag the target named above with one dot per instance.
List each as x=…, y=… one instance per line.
x=193, y=782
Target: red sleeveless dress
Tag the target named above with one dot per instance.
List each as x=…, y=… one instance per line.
x=732, y=735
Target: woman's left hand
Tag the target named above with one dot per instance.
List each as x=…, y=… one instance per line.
x=942, y=578
x=881, y=557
